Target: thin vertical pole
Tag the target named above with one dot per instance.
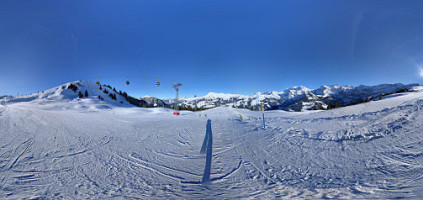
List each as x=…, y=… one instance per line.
x=262, y=109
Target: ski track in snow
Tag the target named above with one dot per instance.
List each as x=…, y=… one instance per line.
x=356, y=152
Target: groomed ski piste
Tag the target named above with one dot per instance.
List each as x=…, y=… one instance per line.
x=56, y=146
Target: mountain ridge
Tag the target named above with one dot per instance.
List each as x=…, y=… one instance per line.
x=296, y=98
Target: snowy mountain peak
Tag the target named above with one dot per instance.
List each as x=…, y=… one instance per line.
x=81, y=92
x=214, y=95
x=297, y=98
x=294, y=92
x=297, y=89
x=73, y=90
x=327, y=90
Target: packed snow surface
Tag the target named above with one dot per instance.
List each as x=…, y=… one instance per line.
x=62, y=147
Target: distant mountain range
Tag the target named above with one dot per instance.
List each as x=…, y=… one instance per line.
x=297, y=98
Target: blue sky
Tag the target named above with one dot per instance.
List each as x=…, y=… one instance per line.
x=209, y=45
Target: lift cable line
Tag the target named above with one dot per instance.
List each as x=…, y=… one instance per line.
x=127, y=82
x=97, y=79
x=176, y=86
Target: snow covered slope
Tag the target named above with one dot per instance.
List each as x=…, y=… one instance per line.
x=296, y=98
x=99, y=96
x=55, y=148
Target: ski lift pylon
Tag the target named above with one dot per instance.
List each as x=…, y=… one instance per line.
x=176, y=86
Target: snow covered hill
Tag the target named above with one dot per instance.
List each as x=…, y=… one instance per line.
x=54, y=145
x=296, y=98
x=100, y=96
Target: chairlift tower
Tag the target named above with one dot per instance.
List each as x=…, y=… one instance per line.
x=176, y=86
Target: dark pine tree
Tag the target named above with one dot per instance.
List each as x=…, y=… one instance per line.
x=80, y=95
x=86, y=93
x=113, y=96
x=330, y=105
x=71, y=86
